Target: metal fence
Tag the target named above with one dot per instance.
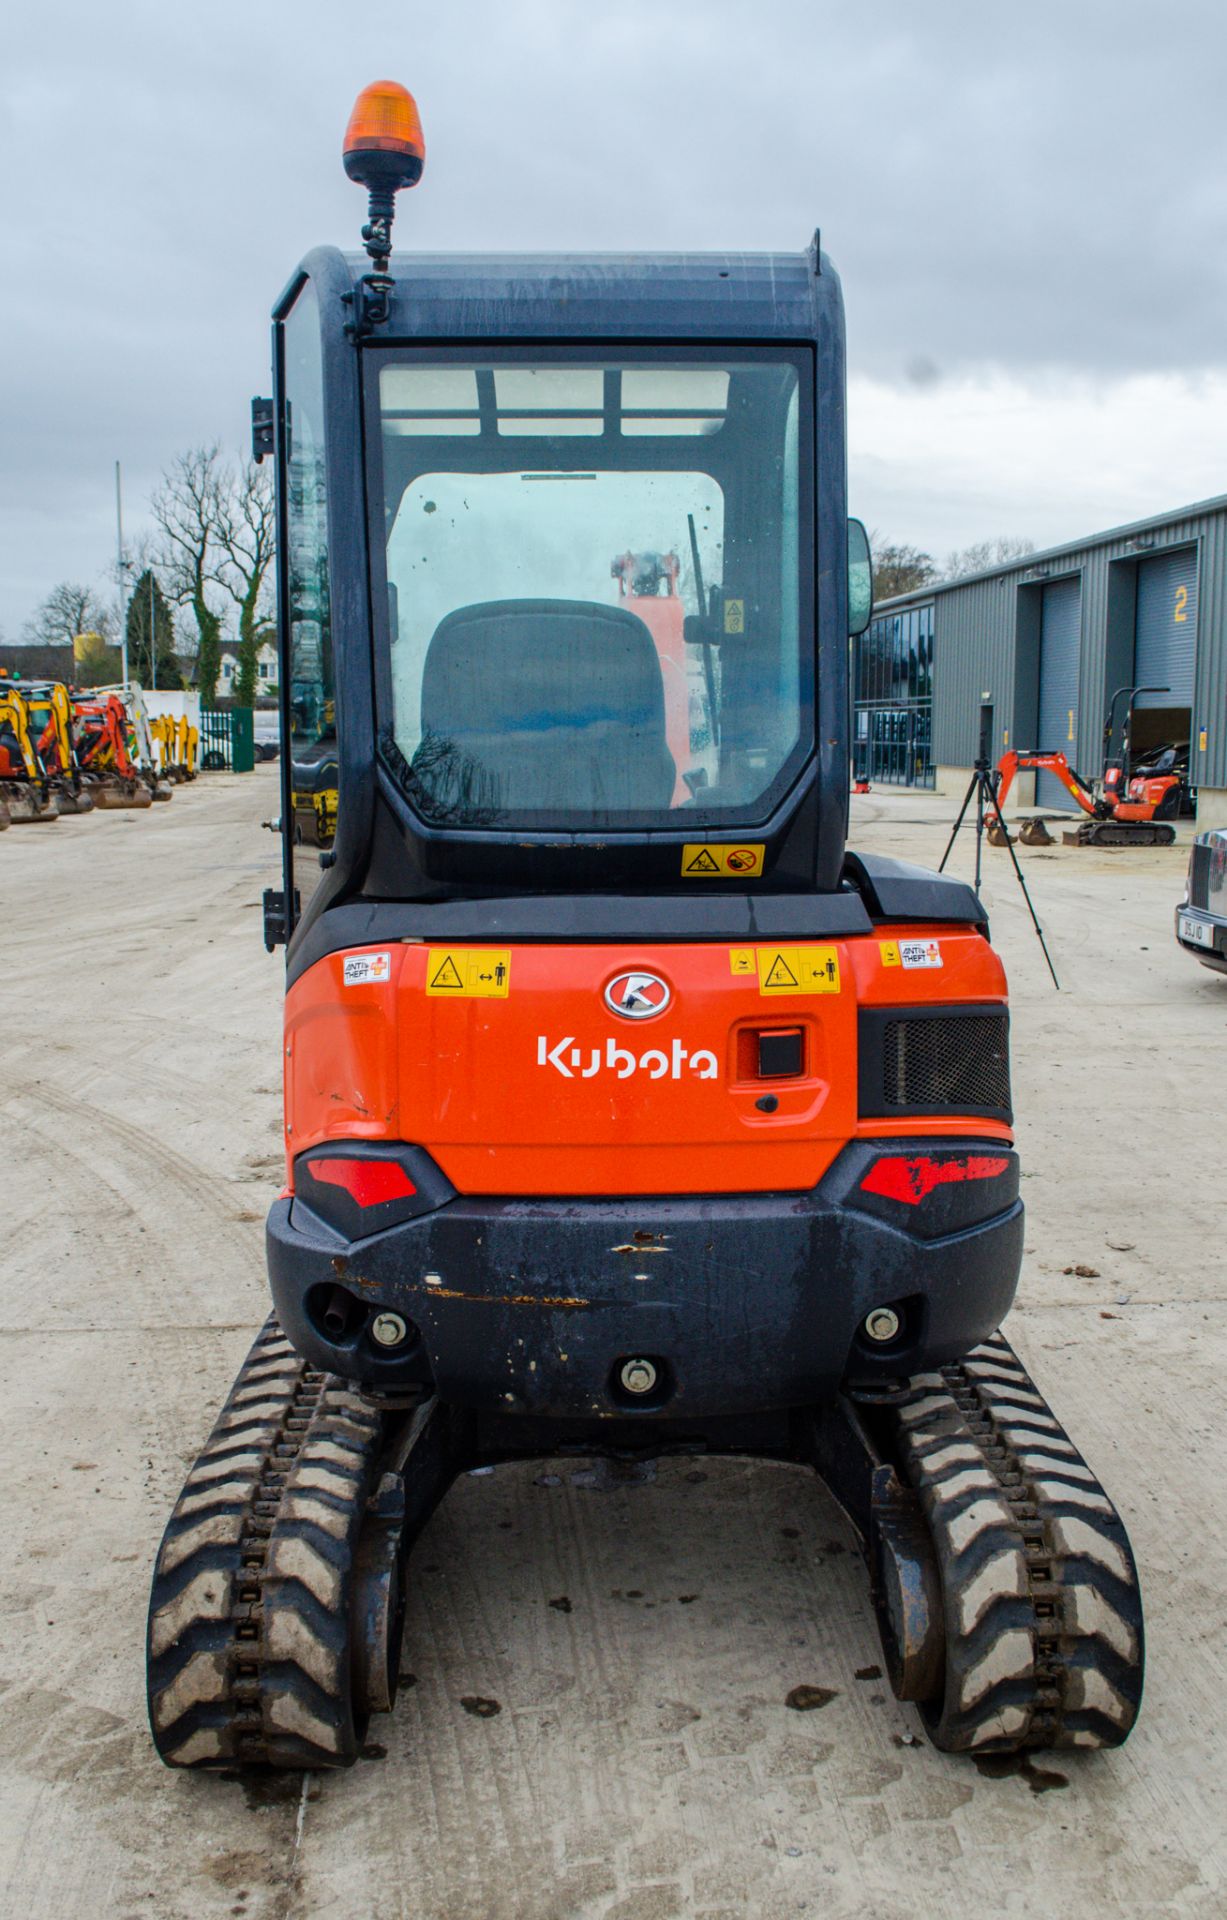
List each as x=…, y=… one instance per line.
x=892, y=745
x=227, y=740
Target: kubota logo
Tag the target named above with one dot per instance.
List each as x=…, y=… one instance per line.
x=582, y=1063
x=636, y=995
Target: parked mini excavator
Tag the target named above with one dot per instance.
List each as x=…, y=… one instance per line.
x=49, y=706
x=26, y=793
x=625, y=1113
x=1135, y=800
x=102, y=731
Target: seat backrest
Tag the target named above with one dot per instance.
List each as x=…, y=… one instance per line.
x=543, y=706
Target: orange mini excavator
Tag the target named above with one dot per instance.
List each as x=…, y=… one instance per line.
x=1136, y=797
x=627, y=1111
x=111, y=776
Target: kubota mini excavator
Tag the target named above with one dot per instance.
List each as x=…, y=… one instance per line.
x=626, y=1111
x=1136, y=796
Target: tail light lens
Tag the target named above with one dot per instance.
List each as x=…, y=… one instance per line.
x=359, y=1189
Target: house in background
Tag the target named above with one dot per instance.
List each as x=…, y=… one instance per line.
x=266, y=671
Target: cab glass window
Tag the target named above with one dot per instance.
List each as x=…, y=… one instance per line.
x=599, y=587
x=312, y=702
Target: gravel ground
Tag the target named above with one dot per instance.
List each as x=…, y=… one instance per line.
x=643, y=1765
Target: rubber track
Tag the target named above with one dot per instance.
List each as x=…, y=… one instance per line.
x=1044, y=1644
x=249, y=1635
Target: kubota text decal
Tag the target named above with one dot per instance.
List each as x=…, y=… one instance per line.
x=583, y=1063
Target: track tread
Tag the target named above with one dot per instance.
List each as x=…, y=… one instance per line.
x=1044, y=1623
x=249, y=1622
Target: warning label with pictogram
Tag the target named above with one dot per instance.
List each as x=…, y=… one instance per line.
x=797, y=969
x=734, y=616
x=730, y=862
x=742, y=961
x=474, y=973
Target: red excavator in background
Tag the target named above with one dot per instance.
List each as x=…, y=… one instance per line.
x=1132, y=804
x=113, y=779
x=641, y=577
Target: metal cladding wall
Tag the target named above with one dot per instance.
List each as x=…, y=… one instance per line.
x=1060, y=620
x=987, y=639
x=1165, y=654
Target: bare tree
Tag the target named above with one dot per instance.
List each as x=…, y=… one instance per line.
x=69, y=610
x=985, y=555
x=245, y=538
x=898, y=568
x=189, y=511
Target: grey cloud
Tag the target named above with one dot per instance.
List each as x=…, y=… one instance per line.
x=1032, y=188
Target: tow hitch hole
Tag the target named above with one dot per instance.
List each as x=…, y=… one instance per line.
x=640, y=1380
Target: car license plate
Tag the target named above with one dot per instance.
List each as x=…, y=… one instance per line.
x=1199, y=932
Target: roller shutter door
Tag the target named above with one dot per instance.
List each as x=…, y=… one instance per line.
x=1060, y=631
x=1165, y=647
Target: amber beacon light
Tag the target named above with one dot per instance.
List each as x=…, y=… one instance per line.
x=383, y=151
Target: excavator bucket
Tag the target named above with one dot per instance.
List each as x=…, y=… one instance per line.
x=115, y=796
x=1034, y=833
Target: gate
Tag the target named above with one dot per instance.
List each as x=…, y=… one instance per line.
x=892, y=745
x=227, y=740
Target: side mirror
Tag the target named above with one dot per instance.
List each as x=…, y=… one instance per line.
x=860, y=578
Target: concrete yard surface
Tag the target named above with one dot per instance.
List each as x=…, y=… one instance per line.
x=639, y=1631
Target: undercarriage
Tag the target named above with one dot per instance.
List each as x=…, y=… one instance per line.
x=1003, y=1582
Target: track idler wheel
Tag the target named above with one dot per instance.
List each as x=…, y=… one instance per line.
x=907, y=1593
x=377, y=1625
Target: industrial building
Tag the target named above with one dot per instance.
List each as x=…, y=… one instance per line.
x=1049, y=638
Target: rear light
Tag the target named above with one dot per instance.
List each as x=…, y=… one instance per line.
x=927, y=1190
x=913, y=1180
x=372, y=1183
x=359, y=1189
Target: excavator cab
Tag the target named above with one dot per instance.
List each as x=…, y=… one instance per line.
x=627, y=1110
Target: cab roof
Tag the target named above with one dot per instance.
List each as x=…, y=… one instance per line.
x=717, y=296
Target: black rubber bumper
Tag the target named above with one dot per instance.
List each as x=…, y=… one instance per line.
x=742, y=1303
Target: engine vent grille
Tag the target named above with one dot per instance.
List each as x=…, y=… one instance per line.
x=955, y=1062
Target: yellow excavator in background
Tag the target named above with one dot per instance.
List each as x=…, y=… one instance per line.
x=49, y=717
x=25, y=791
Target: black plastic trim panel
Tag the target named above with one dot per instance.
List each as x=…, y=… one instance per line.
x=898, y=890
x=588, y=917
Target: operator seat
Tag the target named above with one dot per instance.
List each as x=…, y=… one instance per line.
x=544, y=706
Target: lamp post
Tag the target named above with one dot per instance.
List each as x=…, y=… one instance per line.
x=121, y=568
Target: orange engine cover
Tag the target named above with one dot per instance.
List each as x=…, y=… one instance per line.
x=513, y=1070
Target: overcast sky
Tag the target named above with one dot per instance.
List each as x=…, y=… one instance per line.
x=1027, y=207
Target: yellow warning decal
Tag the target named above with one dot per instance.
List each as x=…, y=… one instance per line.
x=797, y=969
x=890, y=953
x=734, y=616
x=473, y=973
x=742, y=961
x=735, y=861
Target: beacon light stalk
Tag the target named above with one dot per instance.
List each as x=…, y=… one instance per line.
x=383, y=151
